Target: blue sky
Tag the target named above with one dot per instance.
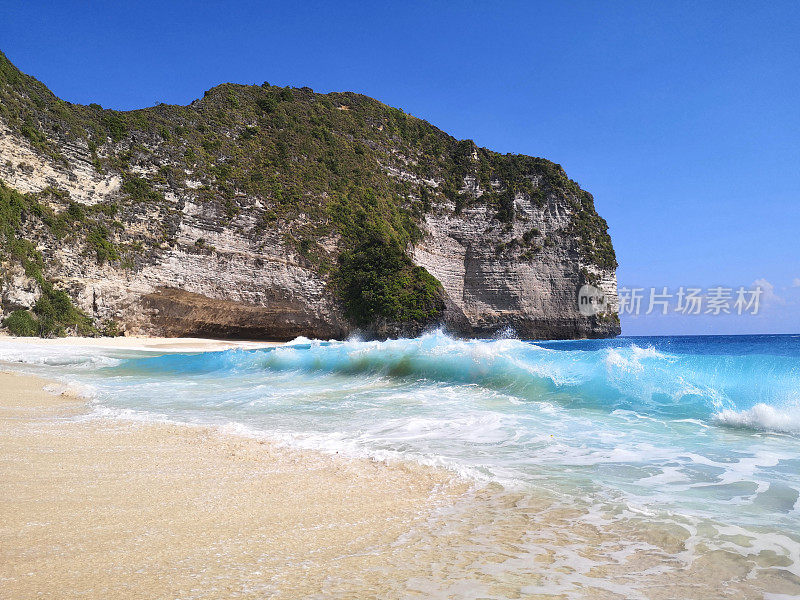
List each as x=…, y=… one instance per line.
x=680, y=117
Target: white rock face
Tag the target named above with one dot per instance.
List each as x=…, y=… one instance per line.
x=218, y=278
x=19, y=292
x=26, y=170
x=533, y=292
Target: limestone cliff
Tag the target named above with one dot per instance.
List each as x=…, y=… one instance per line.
x=266, y=212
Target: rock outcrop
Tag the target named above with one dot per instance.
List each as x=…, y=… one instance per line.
x=232, y=217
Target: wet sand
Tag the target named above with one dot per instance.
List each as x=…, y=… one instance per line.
x=96, y=508
x=104, y=509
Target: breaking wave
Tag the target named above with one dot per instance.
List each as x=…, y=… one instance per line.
x=762, y=417
x=645, y=379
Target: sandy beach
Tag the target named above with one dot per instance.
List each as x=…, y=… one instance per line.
x=102, y=509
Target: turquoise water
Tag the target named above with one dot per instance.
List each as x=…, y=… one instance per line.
x=689, y=427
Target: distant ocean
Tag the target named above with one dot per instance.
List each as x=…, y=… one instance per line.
x=683, y=448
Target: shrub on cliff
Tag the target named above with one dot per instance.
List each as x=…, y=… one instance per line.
x=140, y=189
x=54, y=313
x=103, y=248
x=379, y=283
x=21, y=323
x=115, y=125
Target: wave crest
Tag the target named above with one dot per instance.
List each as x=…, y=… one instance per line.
x=762, y=417
x=624, y=376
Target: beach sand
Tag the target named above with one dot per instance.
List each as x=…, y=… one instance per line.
x=103, y=509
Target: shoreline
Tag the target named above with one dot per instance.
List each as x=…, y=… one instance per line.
x=105, y=508
x=146, y=343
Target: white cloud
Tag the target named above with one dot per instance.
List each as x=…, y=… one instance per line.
x=768, y=295
x=796, y=282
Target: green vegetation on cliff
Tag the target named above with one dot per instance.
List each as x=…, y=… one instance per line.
x=53, y=314
x=379, y=283
x=339, y=168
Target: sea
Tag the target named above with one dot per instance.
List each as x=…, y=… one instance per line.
x=634, y=467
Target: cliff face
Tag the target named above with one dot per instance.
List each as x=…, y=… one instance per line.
x=265, y=212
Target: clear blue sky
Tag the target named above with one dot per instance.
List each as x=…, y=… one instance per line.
x=682, y=118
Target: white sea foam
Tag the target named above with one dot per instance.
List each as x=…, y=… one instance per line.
x=54, y=356
x=301, y=341
x=631, y=358
x=86, y=392
x=762, y=417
